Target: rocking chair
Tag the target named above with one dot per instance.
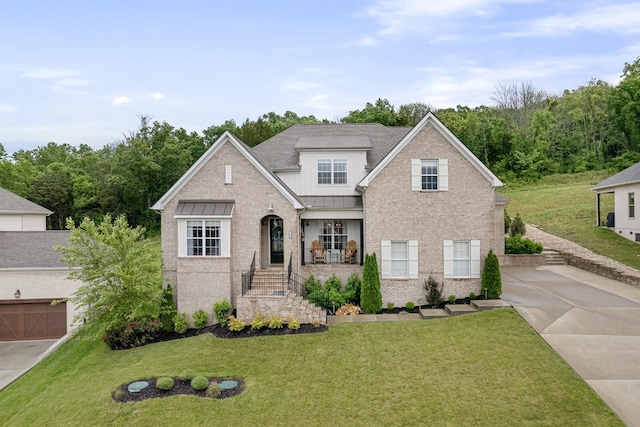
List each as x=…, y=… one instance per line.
x=350, y=252
x=318, y=255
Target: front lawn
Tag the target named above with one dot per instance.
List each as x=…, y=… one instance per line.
x=488, y=368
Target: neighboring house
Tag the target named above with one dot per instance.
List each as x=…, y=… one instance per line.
x=19, y=214
x=243, y=220
x=31, y=274
x=624, y=185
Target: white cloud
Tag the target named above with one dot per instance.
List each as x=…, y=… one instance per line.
x=158, y=96
x=6, y=108
x=617, y=18
x=49, y=73
x=296, y=85
x=120, y=100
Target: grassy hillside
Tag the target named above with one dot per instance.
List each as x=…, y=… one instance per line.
x=564, y=206
x=489, y=368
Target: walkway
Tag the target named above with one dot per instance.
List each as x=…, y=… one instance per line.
x=592, y=322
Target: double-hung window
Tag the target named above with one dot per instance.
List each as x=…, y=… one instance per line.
x=203, y=238
x=332, y=172
x=632, y=205
x=333, y=234
x=461, y=259
x=399, y=259
x=429, y=174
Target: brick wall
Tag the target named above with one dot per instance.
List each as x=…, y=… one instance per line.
x=465, y=212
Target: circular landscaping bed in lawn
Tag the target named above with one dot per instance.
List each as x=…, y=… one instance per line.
x=228, y=387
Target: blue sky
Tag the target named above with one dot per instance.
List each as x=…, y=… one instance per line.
x=83, y=72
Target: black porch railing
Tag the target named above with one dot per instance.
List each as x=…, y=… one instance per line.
x=273, y=282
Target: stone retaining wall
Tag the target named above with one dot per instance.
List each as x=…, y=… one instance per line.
x=529, y=260
x=602, y=270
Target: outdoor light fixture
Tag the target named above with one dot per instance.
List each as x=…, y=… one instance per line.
x=270, y=206
x=17, y=293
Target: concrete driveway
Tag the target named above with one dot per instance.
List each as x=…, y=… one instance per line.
x=591, y=321
x=18, y=357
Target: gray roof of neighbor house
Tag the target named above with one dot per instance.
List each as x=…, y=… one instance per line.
x=281, y=151
x=32, y=249
x=13, y=204
x=628, y=176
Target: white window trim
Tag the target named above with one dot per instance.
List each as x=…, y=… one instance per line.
x=474, y=260
x=385, y=259
x=225, y=237
x=228, y=174
x=332, y=172
x=416, y=175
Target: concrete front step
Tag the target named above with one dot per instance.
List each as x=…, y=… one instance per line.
x=554, y=258
x=458, y=309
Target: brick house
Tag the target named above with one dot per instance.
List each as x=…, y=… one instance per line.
x=242, y=223
x=31, y=273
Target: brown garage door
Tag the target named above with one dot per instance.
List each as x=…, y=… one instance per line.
x=32, y=320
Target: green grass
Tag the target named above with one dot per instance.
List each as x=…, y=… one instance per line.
x=563, y=205
x=489, y=368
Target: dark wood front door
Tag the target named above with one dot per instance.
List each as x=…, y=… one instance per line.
x=277, y=241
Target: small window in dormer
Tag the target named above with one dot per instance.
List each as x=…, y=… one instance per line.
x=227, y=175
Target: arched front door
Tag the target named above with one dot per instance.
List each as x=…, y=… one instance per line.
x=276, y=240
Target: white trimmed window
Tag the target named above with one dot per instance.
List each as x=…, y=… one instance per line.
x=399, y=259
x=333, y=234
x=462, y=259
x=228, y=174
x=632, y=205
x=204, y=237
x=332, y=172
x=429, y=174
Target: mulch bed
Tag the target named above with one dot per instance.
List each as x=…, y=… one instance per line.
x=122, y=394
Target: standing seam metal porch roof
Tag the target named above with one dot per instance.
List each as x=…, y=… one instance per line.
x=204, y=207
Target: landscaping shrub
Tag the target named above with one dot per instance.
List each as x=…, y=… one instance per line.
x=180, y=324
x=199, y=383
x=164, y=383
x=221, y=309
x=235, y=324
x=136, y=333
x=517, y=226
x=518, y=245
x=452, y=299
x=410, y=305
x=348, y=309
x=507, y=222
x=293, y=324
x=276, y=322
x=187, y=375
x=352, y=289
x=370, y=295
x=491, y=278
x=213, y=390
x=434, y=291
x=167, y=309
x=258, y=322
x=200, y=318
x=390, y=305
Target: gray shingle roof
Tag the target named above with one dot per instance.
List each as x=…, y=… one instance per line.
x=13, y=204
x=32, y=249
x=358, y=142
x=280, y=151
x=627, y=176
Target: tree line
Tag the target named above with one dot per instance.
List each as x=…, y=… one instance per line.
x=526, y=134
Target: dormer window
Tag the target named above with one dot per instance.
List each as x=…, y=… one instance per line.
x=332, y=171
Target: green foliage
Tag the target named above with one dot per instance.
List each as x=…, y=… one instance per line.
x=517, y=226
x=164, y=383
x=410, y=305
x=518, y=245
x=258, y=322
x=433, y=291
x=332, y=295
x=180, y=323
x=276, y=322
x=352, y=289
x=507, y=222
x=452, y=299
x=293, y=324
x=491, y=278
x=119, y=271
x=168, y=309
x=139, y=332
x=187, y=375
x=221, y=309
x=390, y=305
x=235, y=324
x=213, y=390
x=199, y=382
x=200, y=318
x=370, y=295
x=472, y=295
